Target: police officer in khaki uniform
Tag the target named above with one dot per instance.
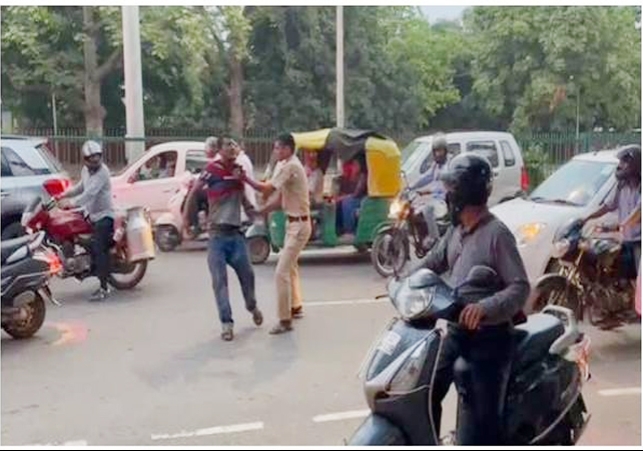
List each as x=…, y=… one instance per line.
x=292, y=184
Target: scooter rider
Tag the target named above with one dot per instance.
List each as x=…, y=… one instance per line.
x=94, y=193
x=430, y=184
x=478, y=355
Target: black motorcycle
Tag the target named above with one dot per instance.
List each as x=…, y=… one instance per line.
x=27, y=267
x=587, y=278
x=544, y=403
x=391, y=247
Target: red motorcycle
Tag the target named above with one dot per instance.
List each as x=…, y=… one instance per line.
x=69, y=232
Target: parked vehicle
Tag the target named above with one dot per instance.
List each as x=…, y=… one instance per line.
x=70, y=233
x=27, y=267
x=157, y=175
x=501, y=149
x=27, y=165
x=544, y=403
x=392, y=245
x=588, y=280
x=574, y=191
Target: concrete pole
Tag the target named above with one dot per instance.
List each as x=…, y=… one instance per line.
x=339, y=64
x=133, y=83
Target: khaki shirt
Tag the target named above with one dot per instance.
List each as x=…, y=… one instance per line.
x=290, y=179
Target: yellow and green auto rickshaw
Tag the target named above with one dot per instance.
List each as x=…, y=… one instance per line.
x=382, y=159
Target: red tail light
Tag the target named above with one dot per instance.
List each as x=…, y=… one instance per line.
x=524, y=179
x=55, y=187
x=55, y=265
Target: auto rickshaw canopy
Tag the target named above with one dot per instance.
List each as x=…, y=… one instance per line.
x=383, y=157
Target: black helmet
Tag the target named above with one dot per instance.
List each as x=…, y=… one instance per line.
x=631, y=156
x=439, y=142
x=468, y=180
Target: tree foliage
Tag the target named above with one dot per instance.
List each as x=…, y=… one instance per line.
x=273, y=68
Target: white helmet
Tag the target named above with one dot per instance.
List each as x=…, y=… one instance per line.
x=91, y=148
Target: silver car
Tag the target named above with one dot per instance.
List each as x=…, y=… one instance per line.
x=26, y=165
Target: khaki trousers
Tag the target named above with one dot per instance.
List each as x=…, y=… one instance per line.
x=287, y=273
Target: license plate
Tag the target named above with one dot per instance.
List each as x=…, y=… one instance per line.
x=389, y=343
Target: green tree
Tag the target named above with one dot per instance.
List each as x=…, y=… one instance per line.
x=531, y=63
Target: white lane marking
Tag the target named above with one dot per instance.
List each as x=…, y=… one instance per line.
x=71, y=443
x=345, y=302
x=620, y=391
x=339, y=416
x=211, y=431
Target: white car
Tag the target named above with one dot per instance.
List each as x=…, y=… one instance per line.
x=574, y=191
x=502, y=150
x=156, y=176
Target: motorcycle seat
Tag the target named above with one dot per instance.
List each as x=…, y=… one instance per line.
x=535, y=337
x=8, y=247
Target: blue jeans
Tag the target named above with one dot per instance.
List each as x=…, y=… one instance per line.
x=349, y=205
x=230, y=249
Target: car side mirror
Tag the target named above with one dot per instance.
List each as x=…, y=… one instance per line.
x=132, y=178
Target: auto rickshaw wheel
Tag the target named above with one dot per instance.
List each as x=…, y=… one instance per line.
x=259, y=248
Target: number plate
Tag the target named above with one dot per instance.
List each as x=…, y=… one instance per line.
x=389, y=343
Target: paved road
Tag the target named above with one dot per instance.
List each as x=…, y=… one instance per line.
x=148, y=367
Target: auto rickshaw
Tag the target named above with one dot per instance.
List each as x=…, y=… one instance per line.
x=383, y=162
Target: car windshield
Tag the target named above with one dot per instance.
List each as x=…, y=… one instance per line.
x=414, y=153
x=575, y=183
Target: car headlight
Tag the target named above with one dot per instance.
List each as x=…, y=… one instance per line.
x=407, y=376
x=529, y=232
x=560, y=248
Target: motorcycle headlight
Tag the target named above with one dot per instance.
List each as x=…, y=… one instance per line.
x=527, y=233
x=560, y=248
x=399, y=209
x=407, y=376
x=415, y=302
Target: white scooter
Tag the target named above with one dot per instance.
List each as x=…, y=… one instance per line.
x=169, y=228
x=170, y=231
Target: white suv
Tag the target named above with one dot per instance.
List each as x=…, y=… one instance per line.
x=502, y=150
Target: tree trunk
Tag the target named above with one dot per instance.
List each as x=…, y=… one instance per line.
x=235, y=94
x=94, y=111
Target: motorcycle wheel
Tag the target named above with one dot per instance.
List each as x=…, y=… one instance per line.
x=557, y=293
x=389, y=253
x=21, y=329
x=259, y=248
x=127, y=281
x=167, y=238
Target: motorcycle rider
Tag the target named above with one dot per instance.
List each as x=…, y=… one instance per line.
x=430, y=184
x=94, y=194
x=627, y=201
x=477, y=355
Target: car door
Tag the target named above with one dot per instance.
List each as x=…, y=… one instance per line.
x=511, y=173
x=489, y=148
x=152, y=182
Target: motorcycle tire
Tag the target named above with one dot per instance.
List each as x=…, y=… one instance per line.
x=138, y=272
x=21, y=330
x=391, y=265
